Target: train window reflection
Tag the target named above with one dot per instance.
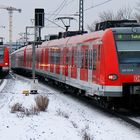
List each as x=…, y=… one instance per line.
x=94, y=59
x=128, y=51
x=128, y=45
x=129, y=57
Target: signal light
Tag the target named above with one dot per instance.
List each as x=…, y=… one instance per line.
x=113, y=77
x=39, y=17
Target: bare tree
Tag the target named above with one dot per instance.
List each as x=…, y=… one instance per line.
x=137, y=13
x=123, y=13
x=91, y=27
x=106, y=15
x=137, y=17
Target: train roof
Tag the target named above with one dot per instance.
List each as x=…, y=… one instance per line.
x=74, y=39
x=116, y=23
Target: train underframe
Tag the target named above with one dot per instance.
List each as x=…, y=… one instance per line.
x=4, y=71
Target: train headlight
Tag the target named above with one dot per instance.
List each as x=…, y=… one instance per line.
x=113, y=77
x=6, y=63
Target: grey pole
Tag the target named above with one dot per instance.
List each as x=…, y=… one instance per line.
x=26, y=34
x=81, y=15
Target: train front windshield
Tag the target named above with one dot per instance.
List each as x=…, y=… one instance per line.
x=1, y=55
x=128, y=49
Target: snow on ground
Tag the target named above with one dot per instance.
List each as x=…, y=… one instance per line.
x=65, y=119
x=137, y=119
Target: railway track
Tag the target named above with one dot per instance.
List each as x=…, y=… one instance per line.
x=125, y=117
x=128, y=120
x=1, y=82
x=94, y=104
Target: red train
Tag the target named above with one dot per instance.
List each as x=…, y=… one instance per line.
x=4, y=60
x=105, y=63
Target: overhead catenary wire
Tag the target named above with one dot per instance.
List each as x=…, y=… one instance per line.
x=54, y=23
x=51, y=14
x=97, y=5
x=66, y=3
x=58, y=10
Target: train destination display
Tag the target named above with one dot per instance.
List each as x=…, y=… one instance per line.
x=122, y=37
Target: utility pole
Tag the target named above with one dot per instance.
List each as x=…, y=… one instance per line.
x=81, y=15
x=39, y=23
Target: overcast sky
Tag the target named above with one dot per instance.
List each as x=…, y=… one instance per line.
x=23, y=19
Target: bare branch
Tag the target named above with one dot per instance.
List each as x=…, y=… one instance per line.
x=91, y=27
x=106, y=15
x=124, y=13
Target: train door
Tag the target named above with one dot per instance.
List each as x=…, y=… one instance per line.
x=62, y=77
x=96, y=63
x=84, y=63
x=74, y=63
x=51, y=60
x=46, y=61
x=69, y=62
x=90, y=56
x=78, y=61
x=65, y=63
x=57, y=58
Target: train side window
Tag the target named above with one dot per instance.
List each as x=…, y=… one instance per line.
x=90, y=59
x=75, y=58
x=67, y=56
x=72, y=59
x=52, y=56
x=82, y=58
x=86, y=59
x=94, y=58
x=78, y=59
x=56, y=56
x=99, y=49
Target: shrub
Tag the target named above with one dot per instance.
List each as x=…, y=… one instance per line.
x=42, y=102
x=34, y=110
x=61, y=113
x=85, y=134
x=17, y=107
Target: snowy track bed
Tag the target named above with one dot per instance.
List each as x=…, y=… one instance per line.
x=65, y=118
x=137, y=119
